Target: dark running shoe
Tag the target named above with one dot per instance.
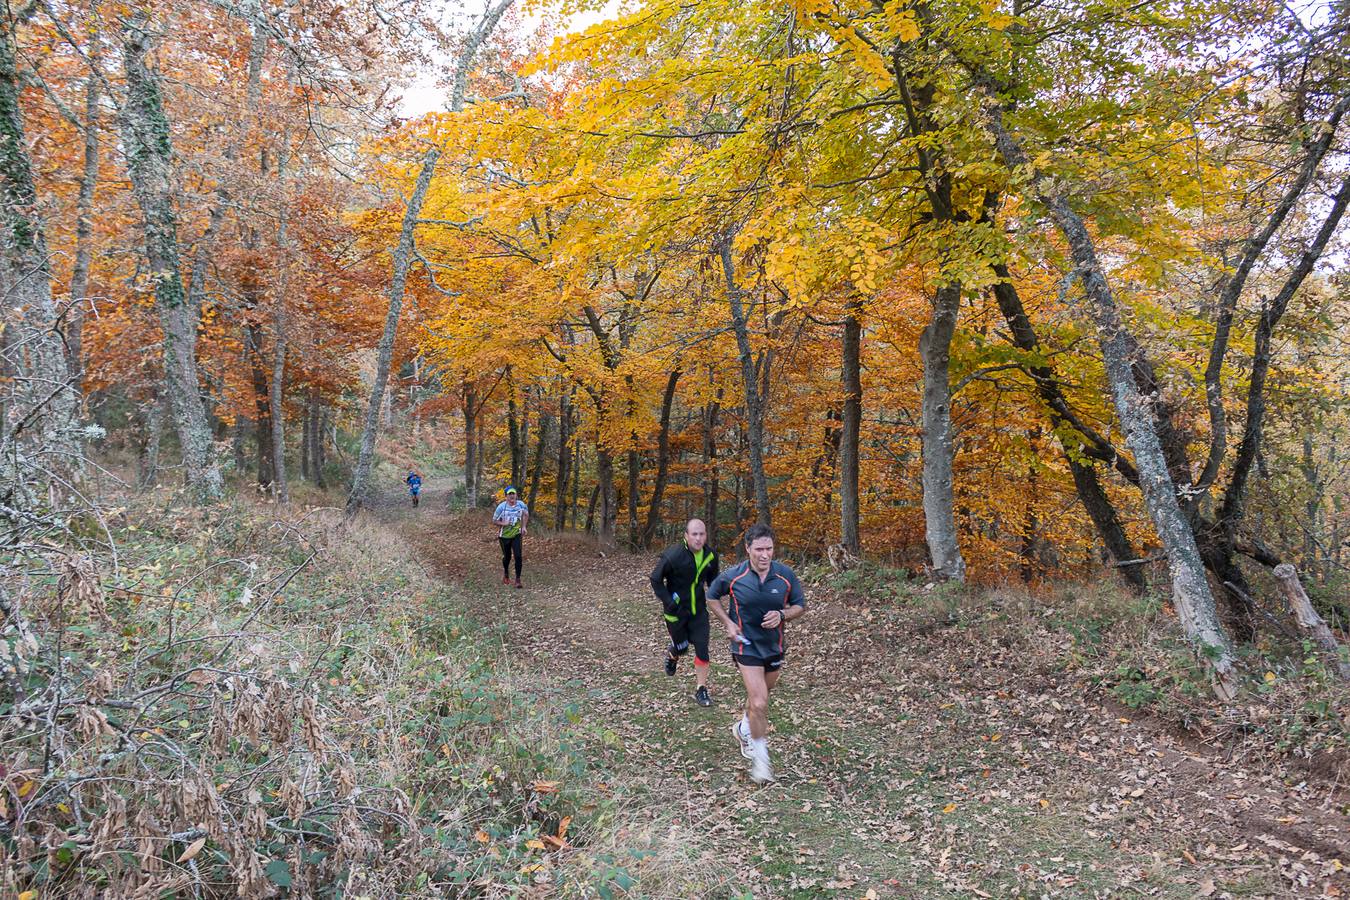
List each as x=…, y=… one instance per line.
x=671, y=663
x=506, y=579
x=518, y=584
x=701, y=697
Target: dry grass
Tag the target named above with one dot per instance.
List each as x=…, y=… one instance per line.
x=254, y=702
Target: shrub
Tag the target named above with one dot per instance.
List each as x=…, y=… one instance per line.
x=242, y=702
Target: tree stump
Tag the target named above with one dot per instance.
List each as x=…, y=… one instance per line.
x=1309, y=622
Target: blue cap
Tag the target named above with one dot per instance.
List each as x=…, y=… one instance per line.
x=512, y=490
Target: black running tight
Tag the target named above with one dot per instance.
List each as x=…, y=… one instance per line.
x=510, y=547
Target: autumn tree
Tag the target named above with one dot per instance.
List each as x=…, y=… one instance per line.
x=402, y=254
x=47, y=404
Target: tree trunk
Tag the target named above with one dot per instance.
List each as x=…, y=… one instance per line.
x=275, y=394
x=220, y=429
x=1090, y=492
x=262, y=407
x=318, y=461
x=307, y=438
x=918, y=97
x=609, y=503
x=238, y=434
x=576, y=477
x=634, y=464
x=513, y=430
x=590, y=509
x=387, y=406
x=851, y=434
x=146, y=138
x=1030, y=521
x=402, y=259
x=50, y=397
x=154, y=428
x=710, y=480
x=1309, y=622
x=414, y=398
x=564, y=463
x=524, y=472
x=536, y=474
x=403, y=255
x=662, y=462
x=739, y=493
x=84, y=233
x=1103, y=514
x=9, y=354
x=938, y=440
x=754, y=401
x=827, y=457
x=277, y=389
x=1190, y=590
x=470, y=397
x=314, y=437
x=480, y=461
x=564, y=435
x=306, y=422
x=1312, y=506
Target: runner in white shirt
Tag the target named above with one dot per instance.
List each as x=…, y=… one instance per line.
x=512, y=517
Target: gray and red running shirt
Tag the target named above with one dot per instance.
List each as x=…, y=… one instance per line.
x=751, y=598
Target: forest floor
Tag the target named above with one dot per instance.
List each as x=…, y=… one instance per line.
x=916, y=757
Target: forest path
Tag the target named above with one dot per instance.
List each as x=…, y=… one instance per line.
x=913, y=762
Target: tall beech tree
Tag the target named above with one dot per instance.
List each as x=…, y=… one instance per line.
x=401, y=257
x=49, y=398
x=146, y=135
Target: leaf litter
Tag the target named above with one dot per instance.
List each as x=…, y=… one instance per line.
x=913, y=761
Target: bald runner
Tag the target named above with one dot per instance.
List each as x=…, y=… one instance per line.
x=679, y=581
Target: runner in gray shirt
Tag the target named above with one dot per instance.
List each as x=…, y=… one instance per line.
x=761, y=596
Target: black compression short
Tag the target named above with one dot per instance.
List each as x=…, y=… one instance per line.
x=693, y=629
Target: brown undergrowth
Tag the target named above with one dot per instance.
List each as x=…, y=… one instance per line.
x=1279, y=753
x=1129, y=652
x=249, y=701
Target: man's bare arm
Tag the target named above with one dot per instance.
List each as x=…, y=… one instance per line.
x=716, y=606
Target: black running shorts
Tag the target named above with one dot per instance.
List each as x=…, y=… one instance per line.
x=771, y=664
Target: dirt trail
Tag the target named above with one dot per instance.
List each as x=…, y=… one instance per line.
x=910, y=764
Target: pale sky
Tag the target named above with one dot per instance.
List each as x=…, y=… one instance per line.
x=424, y=95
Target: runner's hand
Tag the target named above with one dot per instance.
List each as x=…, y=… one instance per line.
x=733, y=632
x=772, y=619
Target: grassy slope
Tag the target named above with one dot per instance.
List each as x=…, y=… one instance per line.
x=291, y=704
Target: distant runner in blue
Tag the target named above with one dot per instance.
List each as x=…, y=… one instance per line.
x=414, y=483
x=762, y=595
x=513, y=517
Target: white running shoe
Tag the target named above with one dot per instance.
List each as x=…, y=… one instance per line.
x=760, y=770
x=741, y=738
